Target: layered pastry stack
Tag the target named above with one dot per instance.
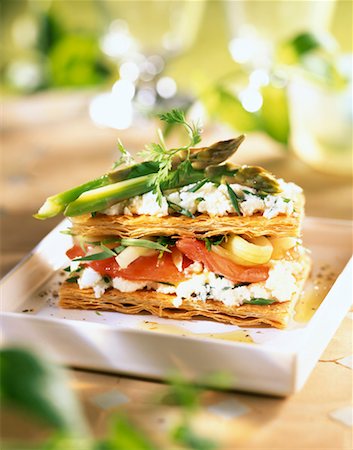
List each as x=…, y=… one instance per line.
x=186, y=237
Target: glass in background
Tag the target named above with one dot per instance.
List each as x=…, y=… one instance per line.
x=320, y=108
x=256, y=27
x=141, y=37
x=321, y=120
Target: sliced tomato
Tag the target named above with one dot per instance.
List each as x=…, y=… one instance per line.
x=75, y=252
x=150, y=268
x=144, y=268
x=197, y=251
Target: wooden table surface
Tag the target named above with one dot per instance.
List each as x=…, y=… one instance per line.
x=48, y=143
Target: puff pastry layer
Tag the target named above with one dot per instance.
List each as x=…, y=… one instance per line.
x=201, y=226
x=275, y=315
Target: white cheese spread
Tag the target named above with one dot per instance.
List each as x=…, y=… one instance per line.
x=211, y=199
x=204, y=285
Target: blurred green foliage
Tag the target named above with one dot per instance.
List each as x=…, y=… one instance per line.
x=75, y=60
x=64, y=51
x=30, y=384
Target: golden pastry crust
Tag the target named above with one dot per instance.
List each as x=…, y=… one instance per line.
x=201, y=226
x=158, y=304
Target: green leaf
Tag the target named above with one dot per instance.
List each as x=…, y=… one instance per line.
x=234, y=199
x=183, y=434
x=198, y=185
x=95, y=257
x=224, y=106
x=179, y=209
x=214, y=240
x=129, y=242
x=274, y=113
x=305, y=42
x=107, y=250
x=72, y=279
x=174, y=116
x=30, y=384
x=125, y=157
x=260, y=301
x=68, y=231
x=125, y=436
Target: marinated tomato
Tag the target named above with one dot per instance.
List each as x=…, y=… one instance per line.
x=196, y=250
x=144, y=268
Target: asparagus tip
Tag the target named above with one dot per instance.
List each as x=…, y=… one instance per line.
x=50, y=208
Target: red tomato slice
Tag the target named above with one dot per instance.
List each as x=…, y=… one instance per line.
x=75, y=252
x=196, y=251
x=150, y=268
x=144, y=268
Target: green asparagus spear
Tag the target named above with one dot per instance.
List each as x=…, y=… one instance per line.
x=199, y=158
x=250, y=176
x=134, y=171
x=104, y=197
x=213, y=155
x=57, y=203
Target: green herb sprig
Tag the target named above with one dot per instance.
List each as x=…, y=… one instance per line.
x=164, y=156
x=234, y=199
x=260, y=301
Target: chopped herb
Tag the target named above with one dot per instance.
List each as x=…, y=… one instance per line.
x=98, y=313
x=166, y=283
x=198, y=185
x=235, y=286
x=180, y=210
x=67, y=269
x=166, y=241
x=93, y=214
x=167, y=175
x=178, y=116
x=214, y=240
x=119, y=249
x=72, y=279
x=286, y=200
x=208, y=244
x=234, y=199
x=125, y=157
x=108, y=250
x=260, y=301
x=143, y=243
x=95, y=257
x=199, y=199
x=68, y=231
x=248, y=192
x=106, y=279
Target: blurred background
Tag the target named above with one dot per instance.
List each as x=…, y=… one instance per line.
x=78, y=75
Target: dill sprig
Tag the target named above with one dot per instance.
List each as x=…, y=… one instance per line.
x=125, y=156
x=164, y=156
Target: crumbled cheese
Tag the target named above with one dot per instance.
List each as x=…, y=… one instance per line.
x=100, y=288
x=196, y=287
x=165, y=288
x=281, y=281
x=115, y=210
x=277, y=205
x=251, y=204
x=124, y=285
x=204, y=285
x=148, y=204
x=89, y=278
x=195, y=267
x=289, y=190
x=74, y=265
x=212, y=199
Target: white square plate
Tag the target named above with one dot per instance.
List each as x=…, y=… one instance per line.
x=261, y=360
